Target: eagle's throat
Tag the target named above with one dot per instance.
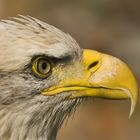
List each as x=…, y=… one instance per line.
x=34, y=120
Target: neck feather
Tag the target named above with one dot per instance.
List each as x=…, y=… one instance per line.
x=34, y=120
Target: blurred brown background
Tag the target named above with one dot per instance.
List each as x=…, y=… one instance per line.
x=111, y=26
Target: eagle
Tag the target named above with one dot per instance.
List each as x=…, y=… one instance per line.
x=45, y=76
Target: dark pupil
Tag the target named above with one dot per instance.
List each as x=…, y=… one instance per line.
x=44, y=66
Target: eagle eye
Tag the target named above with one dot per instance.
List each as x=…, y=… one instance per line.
x=41, y=67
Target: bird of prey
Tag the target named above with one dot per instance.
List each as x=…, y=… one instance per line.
x=45, y=75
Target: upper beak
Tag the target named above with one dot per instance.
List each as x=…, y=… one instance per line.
x=103, y=76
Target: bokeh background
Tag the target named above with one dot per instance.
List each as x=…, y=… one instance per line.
x=110, y=26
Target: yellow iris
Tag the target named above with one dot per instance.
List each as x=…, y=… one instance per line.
x=41, y=67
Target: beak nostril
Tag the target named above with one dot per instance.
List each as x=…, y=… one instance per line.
x=93, y=64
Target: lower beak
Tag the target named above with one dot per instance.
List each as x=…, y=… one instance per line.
x=104, y=76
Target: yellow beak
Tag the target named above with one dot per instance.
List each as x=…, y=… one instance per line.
x=103, y=76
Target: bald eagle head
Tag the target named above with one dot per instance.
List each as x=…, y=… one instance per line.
x=44, y=75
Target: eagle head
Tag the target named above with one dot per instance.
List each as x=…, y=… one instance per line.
x=44, y=75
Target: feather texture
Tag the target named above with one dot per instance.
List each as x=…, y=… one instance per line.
x=25, y=114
